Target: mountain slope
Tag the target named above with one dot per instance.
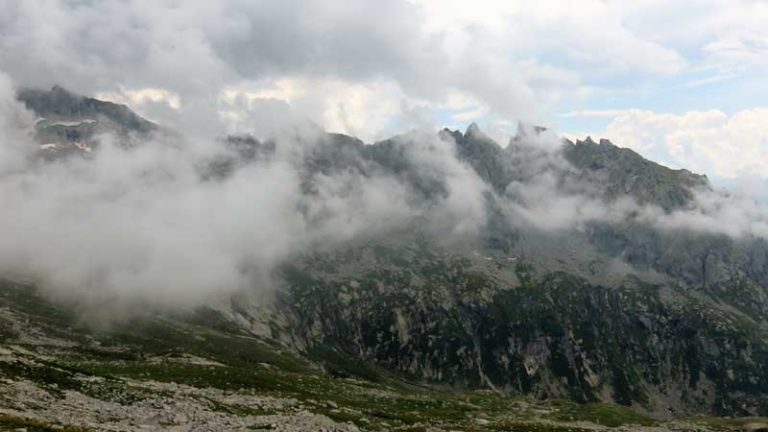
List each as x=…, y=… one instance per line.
x=625, y=172
x=194, y=372
x=492, y=322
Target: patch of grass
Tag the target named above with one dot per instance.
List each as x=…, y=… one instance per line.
x=342, y=416
x=107, y=354
x=162, y=338
x=23, y=300
x=532, y=427
x=239, y=410
x=342, y=365
x=8, y=422
x=255, y=377
x=205, y=334
x=53, y=379
x=57, y=377
x=211, y=318
x=6, y=330
x=355, y=404
x=412, y=429
x=601, y=413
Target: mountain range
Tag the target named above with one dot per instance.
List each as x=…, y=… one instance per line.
x=586, y=280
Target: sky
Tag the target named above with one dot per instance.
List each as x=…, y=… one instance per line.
x=680, y=82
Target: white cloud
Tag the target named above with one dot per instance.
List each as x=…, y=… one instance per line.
x=720, y=37
x=469, y=115
x=517, y=59
x=136, y=98
x=588, y=32
x=359, y=109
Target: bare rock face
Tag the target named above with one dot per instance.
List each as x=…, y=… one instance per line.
x=70, y=124
x=622, y=172
x=486, y=323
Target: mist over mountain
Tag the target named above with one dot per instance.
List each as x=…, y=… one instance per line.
x=319, y=190
x=546, y=267
x=407, y=216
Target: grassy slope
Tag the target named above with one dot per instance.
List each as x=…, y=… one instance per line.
x=153, y=349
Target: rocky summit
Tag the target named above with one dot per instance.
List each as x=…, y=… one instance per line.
x=615, y=316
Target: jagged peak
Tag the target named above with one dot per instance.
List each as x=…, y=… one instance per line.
x=447, y=133
x=60, y=90
x=601, y=142
x=606, y=142
x=473, y=129
x=475, y=135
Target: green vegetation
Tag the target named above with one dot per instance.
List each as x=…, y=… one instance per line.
x=11, y=423
x=204, y=351
x=600, y=413
x=535, y=427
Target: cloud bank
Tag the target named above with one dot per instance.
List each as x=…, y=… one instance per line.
x=334, y=59
x=144, y=225
x=328, y=58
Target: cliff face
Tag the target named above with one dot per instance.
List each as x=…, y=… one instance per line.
x=493, y=322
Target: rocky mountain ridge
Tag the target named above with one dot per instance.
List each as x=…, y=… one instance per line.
x=668, y=322
x=68, y=123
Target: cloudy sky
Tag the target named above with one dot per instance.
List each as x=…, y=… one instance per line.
x=681, y=82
